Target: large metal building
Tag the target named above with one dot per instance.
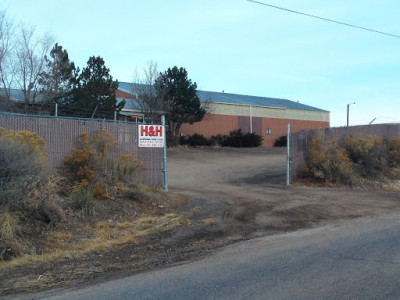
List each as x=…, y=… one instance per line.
x=267, y=117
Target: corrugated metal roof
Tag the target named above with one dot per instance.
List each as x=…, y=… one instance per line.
x=205, y=96
x=126, y=87
x=252, y=100
x=215, y=97
x=131, y=104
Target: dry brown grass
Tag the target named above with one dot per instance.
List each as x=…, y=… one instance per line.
x=211, y=220
x=10, y=243
x=105, y=235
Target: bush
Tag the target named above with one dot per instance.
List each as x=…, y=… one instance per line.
x=23, y=168
x=238, y=139
x=82, y=198
x=140, y=193
x=352, y=159
x=394, y=152
x=281, y=141
x=235, y=139
x=218, y=140
x=31, y=141
x=173, y=141
x=24, y=195
x=369, y=155
x=195, y=140
x=94, y=164
x=124, y=169
x=327, y=164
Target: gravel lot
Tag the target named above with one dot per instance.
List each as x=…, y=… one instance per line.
x=245, y=189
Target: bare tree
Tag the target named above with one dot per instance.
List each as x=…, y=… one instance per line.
x=30, y=53
x=146, y=97
x=6, y=65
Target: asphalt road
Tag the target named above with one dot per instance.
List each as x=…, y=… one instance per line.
x=357, y=259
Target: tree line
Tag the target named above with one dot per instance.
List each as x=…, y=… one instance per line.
x=44, y=74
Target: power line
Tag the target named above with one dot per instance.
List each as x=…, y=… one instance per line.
x=325, y=19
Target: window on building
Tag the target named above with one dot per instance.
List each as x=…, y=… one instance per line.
x=268, y=131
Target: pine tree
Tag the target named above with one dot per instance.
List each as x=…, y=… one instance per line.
x=181, y=103
x=58, y=79
x=94, y=95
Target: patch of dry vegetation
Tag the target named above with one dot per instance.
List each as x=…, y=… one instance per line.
x=102, y=237
x=353, y=160
x=93, y=204
x=26, y=195
x=94, y=167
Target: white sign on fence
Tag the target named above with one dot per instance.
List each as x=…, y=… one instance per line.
x=151, y=136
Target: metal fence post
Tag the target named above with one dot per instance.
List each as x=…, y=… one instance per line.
x=251, y=119
x=288, y=155
x=56, y=111
x=165, y=171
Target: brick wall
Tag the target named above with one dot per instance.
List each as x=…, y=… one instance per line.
x=214, y=124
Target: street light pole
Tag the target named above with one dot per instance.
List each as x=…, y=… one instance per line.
x=348, y=110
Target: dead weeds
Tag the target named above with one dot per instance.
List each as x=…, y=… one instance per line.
x=111, y=224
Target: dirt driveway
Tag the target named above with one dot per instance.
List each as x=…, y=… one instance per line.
x=243, y=191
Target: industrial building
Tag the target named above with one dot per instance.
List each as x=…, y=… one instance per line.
x=267, y=117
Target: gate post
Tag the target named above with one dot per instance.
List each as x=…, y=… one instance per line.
x=288, y=155
x=165, y=171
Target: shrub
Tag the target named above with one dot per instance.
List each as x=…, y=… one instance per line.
x=102, y=143
x=77, y=167
x=82, y=198
x=218, y=140
x=94, y=164
x=351, y=159
x=139, y=193
x=368, y=154
x=195, y=140
x=31, y=141
x=198, y=140
x=23, y=168
x=183, y=140
x=235, y=139
x=238, y=139
x=281, y=141
x=173, y=141
x=124, y=169
x=394, y=152
x=327, y=164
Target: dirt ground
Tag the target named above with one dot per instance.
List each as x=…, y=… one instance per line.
x=226, y=195
x=245, y=189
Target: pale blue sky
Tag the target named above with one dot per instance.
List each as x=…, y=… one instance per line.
x=241, y=47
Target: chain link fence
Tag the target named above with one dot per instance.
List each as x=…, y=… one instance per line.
x=61, y=135
x=299, y=141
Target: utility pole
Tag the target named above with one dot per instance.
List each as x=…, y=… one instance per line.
x=348, y=110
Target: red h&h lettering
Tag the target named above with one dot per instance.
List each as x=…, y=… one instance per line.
x=158, y=130
x=144, y=129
